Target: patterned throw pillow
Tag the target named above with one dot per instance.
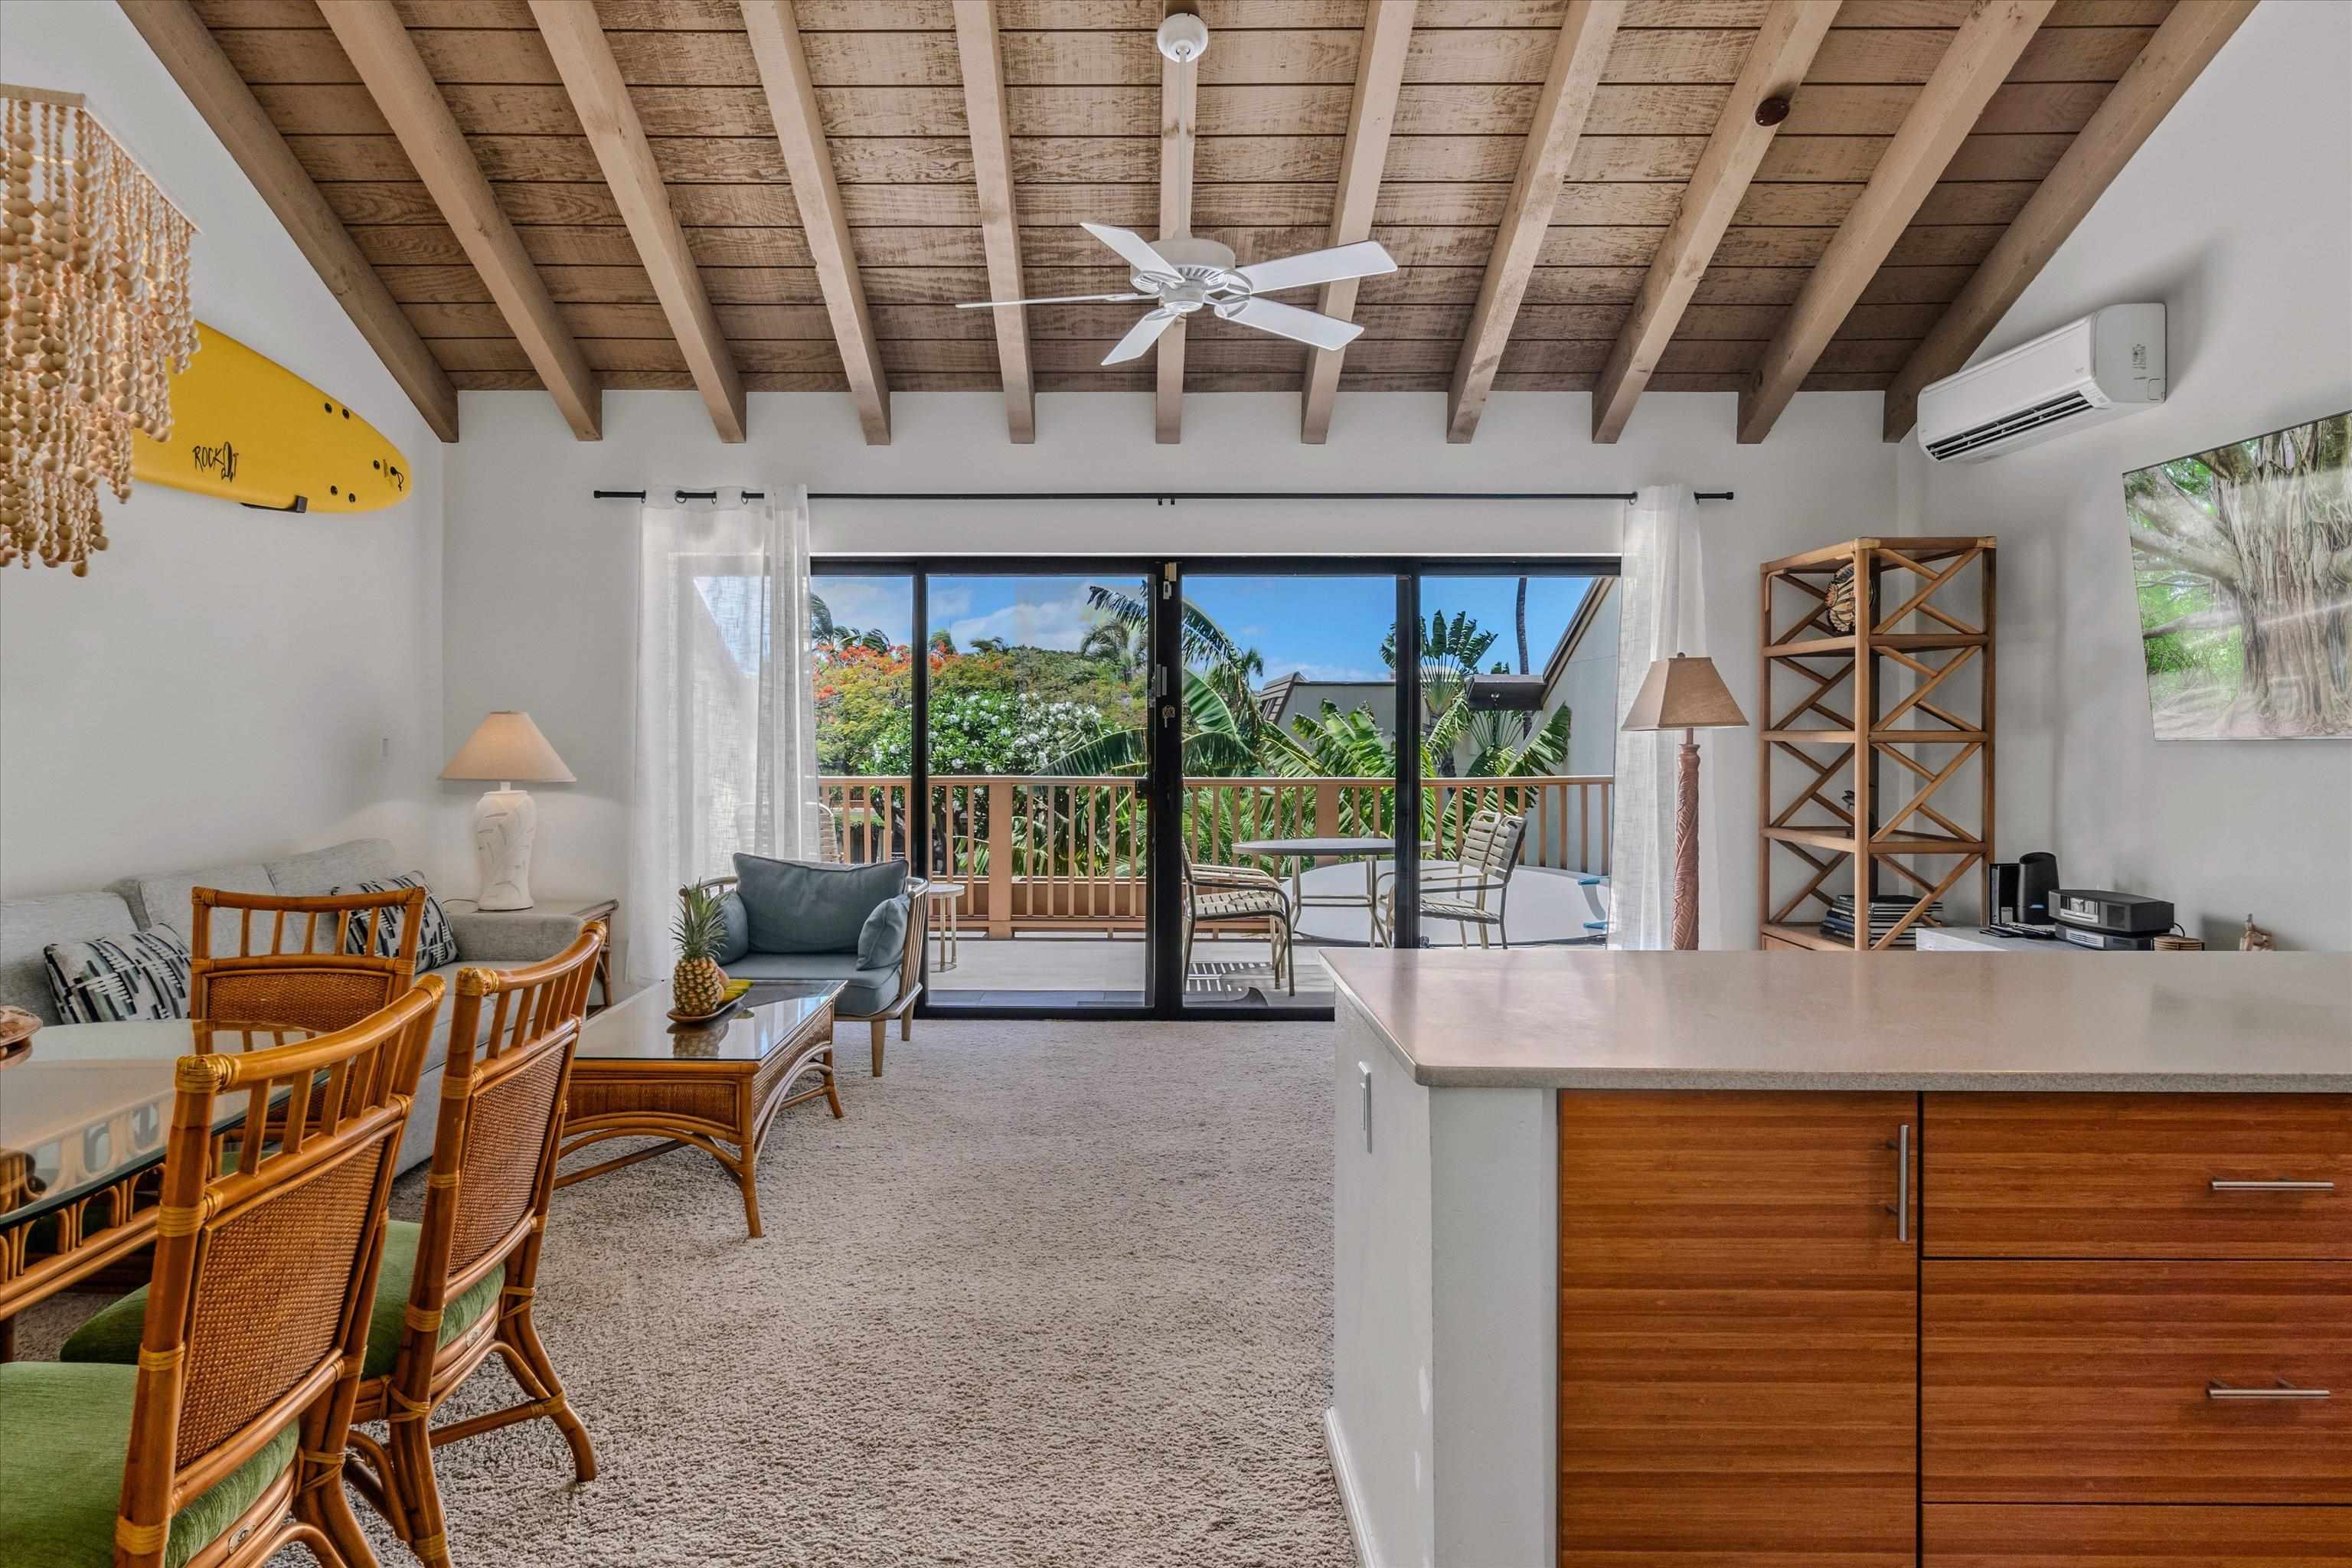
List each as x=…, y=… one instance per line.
x=114, y=979
x=436, y=946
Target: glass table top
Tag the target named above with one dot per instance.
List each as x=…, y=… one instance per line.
x=769, y=1019
x=92, y=1103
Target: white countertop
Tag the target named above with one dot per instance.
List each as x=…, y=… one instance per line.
x=1588, y=1018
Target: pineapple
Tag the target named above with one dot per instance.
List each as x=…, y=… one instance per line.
x=698, y=985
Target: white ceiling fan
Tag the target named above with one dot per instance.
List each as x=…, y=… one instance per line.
x=1182, y=276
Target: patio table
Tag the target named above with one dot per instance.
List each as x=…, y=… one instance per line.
x=1299, y=851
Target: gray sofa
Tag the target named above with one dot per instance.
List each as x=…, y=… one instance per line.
x=27, y=926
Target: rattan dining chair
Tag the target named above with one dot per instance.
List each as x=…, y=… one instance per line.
x=474, y=1260
x=227, y=1413
x=297, y=969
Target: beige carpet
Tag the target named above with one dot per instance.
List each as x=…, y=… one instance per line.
x=1051, y=1294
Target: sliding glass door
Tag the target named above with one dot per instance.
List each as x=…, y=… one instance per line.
x=1516, y=726
x=1035, y=759
x=1170, y=787
x=1289, y=779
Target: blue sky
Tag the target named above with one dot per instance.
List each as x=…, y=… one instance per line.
x=1329, y=628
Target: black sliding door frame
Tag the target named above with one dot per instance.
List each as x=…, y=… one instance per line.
x=1165, y=782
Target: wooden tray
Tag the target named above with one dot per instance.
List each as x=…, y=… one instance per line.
x=724, y=1008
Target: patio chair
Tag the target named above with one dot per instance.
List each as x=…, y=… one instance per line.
x=1459, y=891
x=829, y=850
x=1239, y=895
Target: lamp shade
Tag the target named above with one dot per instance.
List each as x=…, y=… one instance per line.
x=508, y=747
x=1683, y=693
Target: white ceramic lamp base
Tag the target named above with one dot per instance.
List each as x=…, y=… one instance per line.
x=506, y=822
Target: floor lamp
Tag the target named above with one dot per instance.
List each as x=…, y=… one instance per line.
x=1685, y=694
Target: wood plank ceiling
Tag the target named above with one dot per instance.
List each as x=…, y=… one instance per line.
x=1082, y=102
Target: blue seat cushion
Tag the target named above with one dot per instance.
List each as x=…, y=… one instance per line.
x=64, y=1431
x=808, y=905
x=864, y=992
x=112, y=1333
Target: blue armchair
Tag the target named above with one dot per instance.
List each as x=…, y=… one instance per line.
x=802, y=919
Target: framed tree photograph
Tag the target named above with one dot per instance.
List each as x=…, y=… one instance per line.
x=2243, y=560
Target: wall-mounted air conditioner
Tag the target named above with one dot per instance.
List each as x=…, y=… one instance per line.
x=2109, y=364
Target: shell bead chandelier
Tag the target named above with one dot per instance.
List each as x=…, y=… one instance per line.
x=94, y=281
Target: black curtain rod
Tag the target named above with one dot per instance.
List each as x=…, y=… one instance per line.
x=1170, y=498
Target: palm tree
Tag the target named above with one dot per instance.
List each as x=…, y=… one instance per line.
x=1522, y=617
x=1450, y=652
x=1124, y=645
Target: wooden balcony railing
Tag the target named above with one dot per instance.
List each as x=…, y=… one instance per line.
x=1068, y=854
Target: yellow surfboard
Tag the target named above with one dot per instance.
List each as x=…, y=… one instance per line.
x=246, y=428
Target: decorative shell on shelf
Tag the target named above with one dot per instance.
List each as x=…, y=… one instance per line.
x=1839, y=607
x=2256, y=939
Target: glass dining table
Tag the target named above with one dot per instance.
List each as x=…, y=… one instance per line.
x=85, y=1114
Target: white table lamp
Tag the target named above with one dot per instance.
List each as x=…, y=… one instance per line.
x=506, y=746
x=1685, y=694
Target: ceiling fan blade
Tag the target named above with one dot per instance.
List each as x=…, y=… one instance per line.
x=1134, y=248
x=1361, y=259
x=1051, y=299
x=1290, y=321
x=1140, y=337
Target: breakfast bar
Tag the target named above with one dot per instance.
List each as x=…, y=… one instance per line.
x=1935, y=1258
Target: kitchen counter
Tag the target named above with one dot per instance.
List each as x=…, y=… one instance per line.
x=2115, y=1022
x=1587, y=1247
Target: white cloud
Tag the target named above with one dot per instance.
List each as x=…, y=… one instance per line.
x=1052, y=623
x=863, y=602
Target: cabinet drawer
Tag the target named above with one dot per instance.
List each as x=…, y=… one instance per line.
x=2131, y=1175
x=2073, y=1382
x=1958, y=1536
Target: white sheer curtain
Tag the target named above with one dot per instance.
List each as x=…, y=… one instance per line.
x=1662, y=613
x=725, y=718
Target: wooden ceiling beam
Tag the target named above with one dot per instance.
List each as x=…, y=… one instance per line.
x=1792, y=30
x=1586, y=34
x=775, y=32
x=377, y=41
x=2180, y=48
x=187, y=49
x=981, y=54
x=1180, y=110
x=1379, y=72
x=583, y=58
x=1974, y=65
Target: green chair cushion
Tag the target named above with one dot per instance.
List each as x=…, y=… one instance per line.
x=64, y=1431
x=113, y=1335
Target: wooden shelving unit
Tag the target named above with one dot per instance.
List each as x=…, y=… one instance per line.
x=1909, y=692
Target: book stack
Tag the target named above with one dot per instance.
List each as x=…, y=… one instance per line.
x=1838, y=924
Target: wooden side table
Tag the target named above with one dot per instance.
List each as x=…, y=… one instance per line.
x=638, y=1074
x=945, y=897
x=583, y=910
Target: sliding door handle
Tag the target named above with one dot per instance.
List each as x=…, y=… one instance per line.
x=2283, y=1389
x=1901, y=1207
x=2223, y=1185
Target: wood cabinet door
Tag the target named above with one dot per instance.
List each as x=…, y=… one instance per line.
x=1738, y=1330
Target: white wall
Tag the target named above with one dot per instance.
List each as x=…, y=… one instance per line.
x=539, y=578
x=2238, y=215
x=225, y=684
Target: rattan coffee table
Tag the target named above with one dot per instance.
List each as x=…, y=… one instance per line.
x=637, y=1074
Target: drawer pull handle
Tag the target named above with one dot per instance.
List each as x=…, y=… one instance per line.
x=2284, y=1390
x=2222, y=1185
x=1901, y=1207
